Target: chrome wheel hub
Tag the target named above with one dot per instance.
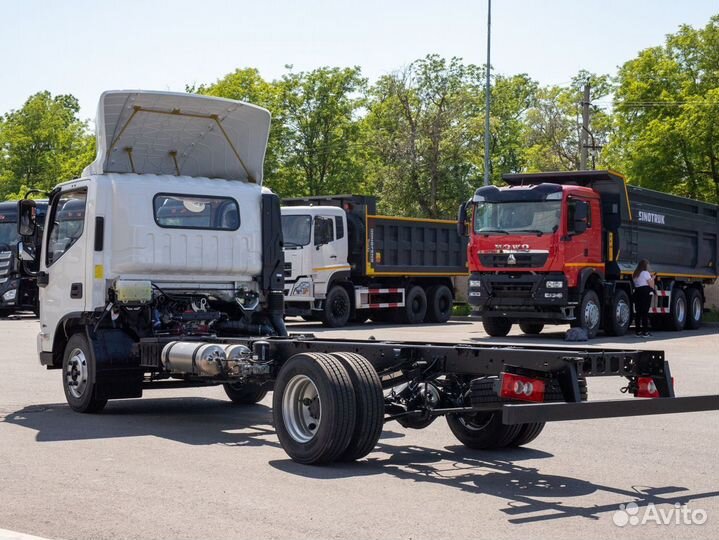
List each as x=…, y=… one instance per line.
x=76, y=374
x=301, y=408
x=591, y=314
x=621, y=313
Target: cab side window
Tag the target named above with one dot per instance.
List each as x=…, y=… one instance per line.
x=66, y=224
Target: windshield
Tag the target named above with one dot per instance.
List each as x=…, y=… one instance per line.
x=296, y=230
x=513, y=217
x=8, y=233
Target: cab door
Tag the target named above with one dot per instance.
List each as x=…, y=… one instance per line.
x=63, y=260
x=584, y=246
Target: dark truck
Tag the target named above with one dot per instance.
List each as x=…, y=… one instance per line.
x=344, y=262
x=18, y=289
x=554, y=248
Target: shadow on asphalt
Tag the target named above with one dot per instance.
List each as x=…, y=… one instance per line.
x=532, y=495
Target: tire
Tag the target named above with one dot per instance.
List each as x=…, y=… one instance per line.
x=482, y=431
x=496, y=326
x=369, y=405
x=313, y=408
x=415, y=306
x=531, y=329
x=527, y=433
x=78, y=376
x=589, y=313
x=695, y=311
x=337, y=308
x=677, y=310
x=618, y=314
x=439, y=304
x=244, y=394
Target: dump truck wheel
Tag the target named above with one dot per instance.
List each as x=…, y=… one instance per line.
x=496, y=326
x=415, y=306
x=482, y=431
x=589, y=313
x=337, y=307
x=244, y=394
x=314, y=409
x=78, y=376
x=439, y=304
x=527, y=433
x=678, y=310
x=695, y=310
x=531, y=328
x=619, y=314
x=369, y=405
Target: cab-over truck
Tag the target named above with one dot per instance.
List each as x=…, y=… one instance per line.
x=166, y=271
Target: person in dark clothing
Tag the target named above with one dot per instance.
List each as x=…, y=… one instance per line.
x=643, y=287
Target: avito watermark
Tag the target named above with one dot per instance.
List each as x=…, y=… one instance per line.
x=679, y=514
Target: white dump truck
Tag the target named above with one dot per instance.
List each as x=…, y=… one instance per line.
x=162, y=267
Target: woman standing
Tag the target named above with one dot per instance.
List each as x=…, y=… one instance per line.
x=643, y=287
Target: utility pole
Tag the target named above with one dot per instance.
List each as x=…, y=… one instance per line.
x=584, y=135
x=487, y=100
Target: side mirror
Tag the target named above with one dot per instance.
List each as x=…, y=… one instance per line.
x=26, y=217
x=581, y=213
x=462, y=219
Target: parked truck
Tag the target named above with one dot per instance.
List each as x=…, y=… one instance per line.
x=18, y=289
x=166, y=271
x=557, y=248
x=343, y=262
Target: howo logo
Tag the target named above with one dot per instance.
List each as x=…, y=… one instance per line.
x=511, y=247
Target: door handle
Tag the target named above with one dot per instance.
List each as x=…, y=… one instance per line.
x=76, y=290
x=333, y=256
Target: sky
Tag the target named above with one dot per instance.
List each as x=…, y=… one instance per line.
x=83, y=47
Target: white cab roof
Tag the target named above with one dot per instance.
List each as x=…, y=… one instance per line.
x=313, y=210
x=149, y=132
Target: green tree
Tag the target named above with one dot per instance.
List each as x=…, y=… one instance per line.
x=42, y=144
x=667, y=115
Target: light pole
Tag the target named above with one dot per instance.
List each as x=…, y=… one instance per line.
x=487, y=100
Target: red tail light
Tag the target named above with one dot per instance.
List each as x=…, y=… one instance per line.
x=523, y=388
x=646, y=387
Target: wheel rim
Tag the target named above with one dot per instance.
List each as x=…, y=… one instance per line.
x=301, y=408
x=621, y=313
x=475, y=422
x=591, y=314
x=416, y=305
x=339, y=307
x=76, y=375
x=697, y=308
x=681, y=309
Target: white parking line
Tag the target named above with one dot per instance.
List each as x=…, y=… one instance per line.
x=14, y=535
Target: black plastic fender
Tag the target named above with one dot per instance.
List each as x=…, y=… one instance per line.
x=117, y=369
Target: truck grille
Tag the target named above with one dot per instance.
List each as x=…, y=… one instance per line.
x=5, y=260
x=501, y=260
x=288, y=269
x=513, y=290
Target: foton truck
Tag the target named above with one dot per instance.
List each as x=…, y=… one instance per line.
x=557, y=248
x=166, y=271
x=343, y=262
x=18, y=289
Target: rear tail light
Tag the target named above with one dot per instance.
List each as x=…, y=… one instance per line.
x=646, y=387
x=523, y=388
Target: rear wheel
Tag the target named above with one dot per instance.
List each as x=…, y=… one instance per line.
x=439, y=304
x=78, y=381
x=619, y=314
x=337, y=307
x=244, y=394
x=369, y=405
x=496, y=326
x=482, y=430
x=314, y=408
x=677, y=310
x=696, y=308
x=589, y=313
x=531, y=328
x=415, y=306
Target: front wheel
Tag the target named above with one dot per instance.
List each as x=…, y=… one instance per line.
x=337, y=307
x=78, y=381
x=589, y=313
x=496, y=326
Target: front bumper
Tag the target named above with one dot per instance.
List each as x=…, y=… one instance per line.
x=521, y=294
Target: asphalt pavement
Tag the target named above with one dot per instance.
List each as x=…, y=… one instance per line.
x=188, y=464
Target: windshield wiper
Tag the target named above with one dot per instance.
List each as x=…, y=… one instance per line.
x=536, y=231
x=491, y=230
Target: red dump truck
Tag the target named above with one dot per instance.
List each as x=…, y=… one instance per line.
x=557, y=248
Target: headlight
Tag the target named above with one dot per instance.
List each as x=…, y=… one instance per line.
x=10, y=295
x=475, y=283
x=303, y=288
x=555, y=284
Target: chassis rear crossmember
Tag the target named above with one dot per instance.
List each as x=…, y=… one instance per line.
x=422, y=360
